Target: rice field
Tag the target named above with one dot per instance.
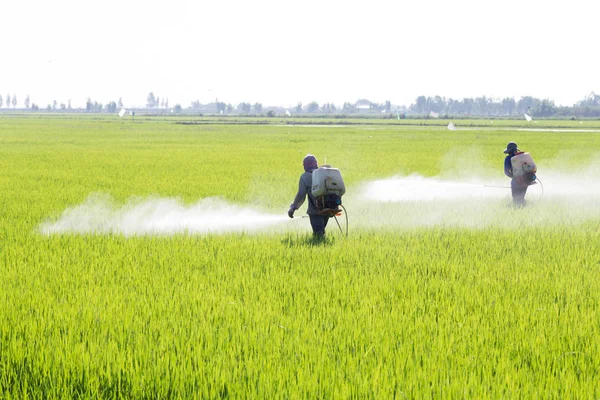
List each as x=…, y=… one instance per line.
x=507, y=308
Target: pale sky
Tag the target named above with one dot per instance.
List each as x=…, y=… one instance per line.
x=279, y=52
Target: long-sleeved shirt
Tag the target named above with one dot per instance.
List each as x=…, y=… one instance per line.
x=508, y=170
x=305, y=189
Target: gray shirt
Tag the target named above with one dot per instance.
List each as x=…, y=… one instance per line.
x=304, y=189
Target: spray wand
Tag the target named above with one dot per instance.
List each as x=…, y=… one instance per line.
x=508, y=187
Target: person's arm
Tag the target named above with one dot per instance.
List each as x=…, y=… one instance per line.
x=300, y=196
x=508, y=171
x=299, y=199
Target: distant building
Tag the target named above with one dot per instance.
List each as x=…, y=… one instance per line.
x=363, y=104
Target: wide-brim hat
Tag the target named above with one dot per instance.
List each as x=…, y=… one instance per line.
x=510, y=147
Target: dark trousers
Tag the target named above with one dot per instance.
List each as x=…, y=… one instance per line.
x=518, y=190
x=318, y=223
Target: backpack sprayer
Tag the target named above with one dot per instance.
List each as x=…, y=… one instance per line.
x=327, y=189
x=524, y=170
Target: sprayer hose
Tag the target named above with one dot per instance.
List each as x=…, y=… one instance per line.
x=338, y=224
x=346, y=213
x=541, y=185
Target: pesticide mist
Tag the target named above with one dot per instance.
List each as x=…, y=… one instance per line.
x=474, y=202
x=395, y=203
x=159, y=216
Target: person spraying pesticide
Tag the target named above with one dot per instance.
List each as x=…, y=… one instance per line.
x=324, y=188
x=519, y=166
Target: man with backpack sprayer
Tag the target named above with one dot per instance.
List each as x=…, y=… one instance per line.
x=324, y=188
x=519, y=166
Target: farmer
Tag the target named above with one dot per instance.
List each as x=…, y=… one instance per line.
x=318, y=222
x=518, y=185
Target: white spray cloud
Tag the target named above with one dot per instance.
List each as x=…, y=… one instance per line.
x=458, y=198
x=416, y=188
x=159, y=216
x=417, y=201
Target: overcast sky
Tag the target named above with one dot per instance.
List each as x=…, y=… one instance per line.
x=281, y=52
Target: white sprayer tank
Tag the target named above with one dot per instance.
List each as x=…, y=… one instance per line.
x=327, y=180
x=522, y=163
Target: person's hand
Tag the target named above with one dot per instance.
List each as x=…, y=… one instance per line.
x=291, y=212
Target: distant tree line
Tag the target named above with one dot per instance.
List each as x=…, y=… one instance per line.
x=153, y=101
x=310, y=108
x=90, y=106
x=11, y=100
x=483, y=106
x=506, y=107
x=588, y=107
x=8, y=101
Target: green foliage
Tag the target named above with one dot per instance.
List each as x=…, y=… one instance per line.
x=151, y=101
x=507, y=107
x=444, y=313
x=312, y=107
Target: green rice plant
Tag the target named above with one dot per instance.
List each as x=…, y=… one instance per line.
x=507, y=309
